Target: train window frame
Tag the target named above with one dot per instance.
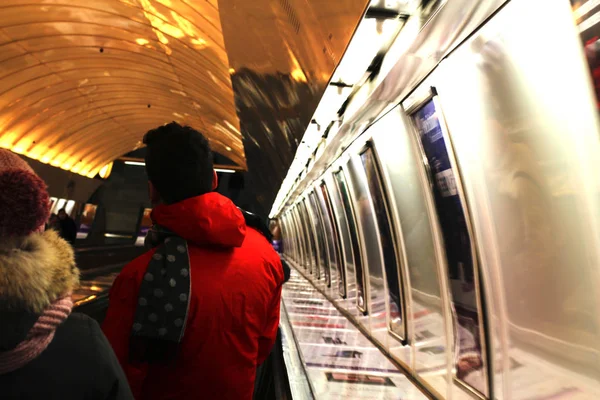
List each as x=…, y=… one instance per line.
x=417, y=103
x=302, y=236
x=300, y=240
x=293, y=235
x=359, y=259
x=294, y=239
x=289, y=248
x=399, y=259
x=311, y=232
x=307, y=242
x=321, y=240
x=326, y=202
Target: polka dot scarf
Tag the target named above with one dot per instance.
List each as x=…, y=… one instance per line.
x=164, y=297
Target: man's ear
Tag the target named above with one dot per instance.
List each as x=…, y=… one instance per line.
x=153, y=194
x=215, y=182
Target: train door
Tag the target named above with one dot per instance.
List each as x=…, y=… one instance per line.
x=348, y=210
x=372, y=270
x=411, y=204
x=289, y=247
x=320, y=233
x=312, y=242
x=345, y=243
x=303, y=260
x=305, y=240
x=471, y=366
x=281, y=221
x=334, y=242
x=396, y=313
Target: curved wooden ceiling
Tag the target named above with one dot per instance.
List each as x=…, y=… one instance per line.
x=81, y=81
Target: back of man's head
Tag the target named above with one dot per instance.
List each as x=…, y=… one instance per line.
x=178, y=162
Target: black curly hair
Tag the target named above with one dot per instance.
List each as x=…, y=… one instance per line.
x=179, y=162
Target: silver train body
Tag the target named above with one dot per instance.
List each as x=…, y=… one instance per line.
x=454, y=215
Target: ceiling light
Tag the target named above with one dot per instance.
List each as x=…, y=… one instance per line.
x=225, y=170
x=116, y=235
x=136, y=163
x=368, y=40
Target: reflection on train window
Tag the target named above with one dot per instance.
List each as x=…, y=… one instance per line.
x=360, y=275
x=335, y=255
x=320, y=235
x=310, y=232
x=386, y=238
x=458, y=247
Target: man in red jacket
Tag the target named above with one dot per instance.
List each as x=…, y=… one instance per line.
x=193, y=317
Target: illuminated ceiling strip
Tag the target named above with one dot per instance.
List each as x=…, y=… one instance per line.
x=369, y=39
x=143, y=164
x=116, y=235
x=225, y=170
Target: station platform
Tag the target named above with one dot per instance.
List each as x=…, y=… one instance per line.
x=327, y=357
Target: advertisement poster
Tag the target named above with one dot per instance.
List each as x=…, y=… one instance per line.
x=341, y=363
x=342, y=385
x=457, y=243
x=86, y=222
x=587, y=17
x=145, y=226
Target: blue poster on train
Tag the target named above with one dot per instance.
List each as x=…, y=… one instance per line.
x=457, y=244
x=448, y=203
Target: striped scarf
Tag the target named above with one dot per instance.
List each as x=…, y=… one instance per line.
x=38, y=338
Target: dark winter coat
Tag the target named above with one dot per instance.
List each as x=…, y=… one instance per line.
x=68, y=229
x=78, y=363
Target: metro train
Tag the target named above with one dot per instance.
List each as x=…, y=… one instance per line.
x=453, y=210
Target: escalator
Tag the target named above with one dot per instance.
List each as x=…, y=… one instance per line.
x=91, y=298
x=99, y=268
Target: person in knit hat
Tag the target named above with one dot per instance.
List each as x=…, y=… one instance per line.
x=46, y=352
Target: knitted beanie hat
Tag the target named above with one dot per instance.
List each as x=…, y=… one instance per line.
x=24, y=199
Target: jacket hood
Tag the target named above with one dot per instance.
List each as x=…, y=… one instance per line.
x=35, y=271
x=209, y=219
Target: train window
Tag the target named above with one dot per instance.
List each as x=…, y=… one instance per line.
x=387, y=241
x=283, y=231
x=320, y=235
x=286, y=234
x=306, y=237
x=460, y=253
x=293, y=236
x=335, y=254
x=311, y=232
x=345, y=243
x=361, y=294
x=299, y=238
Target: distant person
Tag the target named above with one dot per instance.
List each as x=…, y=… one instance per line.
x=46, y=351
x=267, y=373
x=275, y=230
x=53, y=223
x=68, y=228
x=193, y=317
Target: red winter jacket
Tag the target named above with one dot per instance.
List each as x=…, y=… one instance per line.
x=234, y=308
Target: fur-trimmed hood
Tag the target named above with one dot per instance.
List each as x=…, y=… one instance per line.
x=35, y=271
